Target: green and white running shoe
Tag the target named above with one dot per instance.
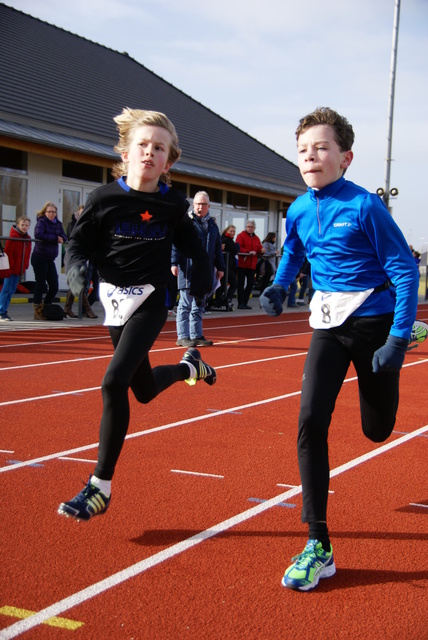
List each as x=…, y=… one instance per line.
x=308, y=567
x=419, y=334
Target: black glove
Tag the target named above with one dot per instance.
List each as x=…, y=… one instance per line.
x=76, y=279
x=390, y=357
x=272, y=299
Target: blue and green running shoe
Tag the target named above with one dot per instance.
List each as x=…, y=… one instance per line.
x=419, y=334
x=308, y=567
x=88, y=503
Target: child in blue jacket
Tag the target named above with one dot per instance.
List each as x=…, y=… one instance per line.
x=363, y=310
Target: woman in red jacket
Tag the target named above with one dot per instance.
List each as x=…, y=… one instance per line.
x=250, y=248
x=18, y=253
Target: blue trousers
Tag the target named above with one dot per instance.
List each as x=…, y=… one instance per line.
x=189, y=315
x=9, y=288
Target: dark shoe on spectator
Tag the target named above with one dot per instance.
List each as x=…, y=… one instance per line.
x=202, y=342
x=185, y=342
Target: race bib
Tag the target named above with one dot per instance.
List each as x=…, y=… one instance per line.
x=121, y=302
x=331, y=308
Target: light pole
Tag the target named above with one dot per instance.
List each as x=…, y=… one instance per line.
x=386, y=192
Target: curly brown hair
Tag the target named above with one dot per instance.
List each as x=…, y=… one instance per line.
x=343, y=131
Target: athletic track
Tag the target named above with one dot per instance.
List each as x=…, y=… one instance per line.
x=205, y=514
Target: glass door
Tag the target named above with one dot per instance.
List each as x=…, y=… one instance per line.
x=71, y=198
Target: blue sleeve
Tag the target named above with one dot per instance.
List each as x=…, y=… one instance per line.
x=293, y=256
x=396, y=259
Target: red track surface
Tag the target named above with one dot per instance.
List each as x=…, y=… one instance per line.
x=205, y=514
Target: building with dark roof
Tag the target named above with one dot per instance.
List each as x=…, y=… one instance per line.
x=59, y=93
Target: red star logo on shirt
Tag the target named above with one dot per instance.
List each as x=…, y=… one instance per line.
x=145, y=217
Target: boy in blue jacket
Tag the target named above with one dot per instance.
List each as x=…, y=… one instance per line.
x=363, y=310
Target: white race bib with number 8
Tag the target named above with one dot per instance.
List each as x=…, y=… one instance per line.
x=331, y=308
x=121, y=302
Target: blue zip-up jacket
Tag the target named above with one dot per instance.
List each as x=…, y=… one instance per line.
x=211, y=242
x=352, y=244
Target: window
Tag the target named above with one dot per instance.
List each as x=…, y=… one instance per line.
x=179, y=186
x=13, y=201
x=261, y=205
x=13, y=160
x=237, y=200
x=81, y=171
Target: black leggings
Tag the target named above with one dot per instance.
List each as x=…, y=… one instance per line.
x=45, y=273
x=245, y=289
x=330, y=354
x=130, y=368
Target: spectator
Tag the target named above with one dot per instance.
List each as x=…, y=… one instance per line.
x=18, y=253
x=231, y=249
x=49, y=233
x=249, y=248
x=268, y=260
x=190, y=308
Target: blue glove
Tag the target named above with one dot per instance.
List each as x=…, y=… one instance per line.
x=76, y=279
x=272, y=299
x=390, y=357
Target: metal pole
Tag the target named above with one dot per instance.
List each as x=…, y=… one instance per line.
x=391, y=101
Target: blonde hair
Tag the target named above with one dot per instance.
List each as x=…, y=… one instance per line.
x=42, y=211
x=128, y=121
x=229, y=226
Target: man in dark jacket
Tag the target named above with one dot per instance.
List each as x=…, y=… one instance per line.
x=190, y=310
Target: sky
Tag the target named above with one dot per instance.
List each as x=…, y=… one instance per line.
x=264, y=65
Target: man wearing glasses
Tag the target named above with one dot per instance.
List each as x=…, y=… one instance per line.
x=190, y=310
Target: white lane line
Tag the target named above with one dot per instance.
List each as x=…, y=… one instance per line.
x=105, y=336
x=196, y=473
x=77, y=459
x=47, y=397
x=80, y=391
x=146, y=432
x=138, y=434
x=110, y=355
x=115, y=579
x=50, y=342
x=54, y=363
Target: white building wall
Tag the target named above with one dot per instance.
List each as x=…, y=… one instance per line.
x=44, y=176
